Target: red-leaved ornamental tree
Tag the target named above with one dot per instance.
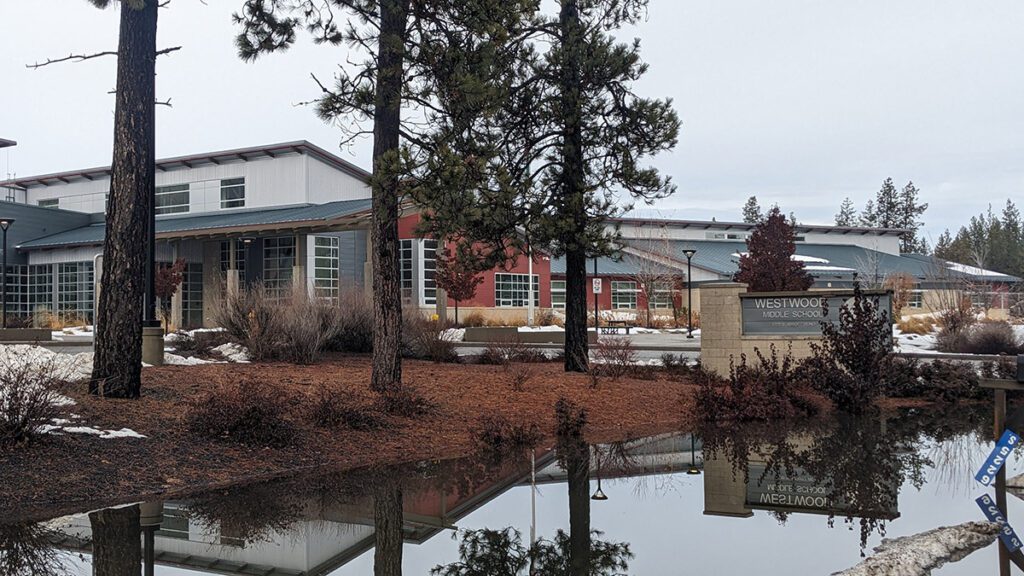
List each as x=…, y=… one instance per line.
x=166, y=282
x=457, y=278
x=768, y=265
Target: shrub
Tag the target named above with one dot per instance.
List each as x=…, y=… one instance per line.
x=521, y=374
x=29, y=398
x=252, y=318
x=334, y=407
x=404, y=402
x=917, y=325
x=422, y=340
x=504, y=352
x=990, y=338
x=956, y=316
x=851, y=364
x=353, y=331
x=307, y=326
x=548, y=317
x=499, y=439
x=938, y=380
x=250, y=412
x=474, y=320
x=615, y=356
x=772, y=388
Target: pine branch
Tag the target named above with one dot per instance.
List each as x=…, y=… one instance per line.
x=70, y=58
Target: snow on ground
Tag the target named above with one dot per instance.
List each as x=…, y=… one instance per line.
x=72, y=331
x=72, y=367
x=175, y=336
x=551, y=328
x=175, y=360
x=233, y=352
x=919, y=554
x=453, y=334
x=914, y=342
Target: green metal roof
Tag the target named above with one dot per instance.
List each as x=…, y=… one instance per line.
x=625, y=265
x=824, y=261
x=306, y=214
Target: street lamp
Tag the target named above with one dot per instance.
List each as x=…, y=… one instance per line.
x=5, y=223
x=689, y=252
x=598, y=494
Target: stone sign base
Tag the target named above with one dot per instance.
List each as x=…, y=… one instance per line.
x=25, y=335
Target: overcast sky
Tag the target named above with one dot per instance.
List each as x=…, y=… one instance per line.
x=798, y=102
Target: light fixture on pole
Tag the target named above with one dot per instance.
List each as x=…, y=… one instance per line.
x=5, y=223
x=598, y=494
x=693, y=469
x=689, y=252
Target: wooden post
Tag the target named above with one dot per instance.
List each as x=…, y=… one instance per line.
x=999, y=424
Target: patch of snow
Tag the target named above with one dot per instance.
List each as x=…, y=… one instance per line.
x=973, y=270
x=175, y=360
x=914, y=342
x=919, y=554
x=233, y=352
x=72, y=367
x=122, y=433
x=541, y=329
x=642, y=330
x=822, y=268
x=795, y=258
x=102, y=434
x=453, y=334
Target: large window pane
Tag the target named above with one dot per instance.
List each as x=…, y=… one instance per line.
x=624, y=295
x=232, y=193
x=172, y=199
x=512, y=290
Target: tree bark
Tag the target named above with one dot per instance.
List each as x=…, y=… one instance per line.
x=117, y=366
x=387, y=295
x=573, y=190
x=116, y=542
x=387, y=527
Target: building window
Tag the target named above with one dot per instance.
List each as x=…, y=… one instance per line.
x=405, y=271
x=278, y=261
x=49, y=202
x=428, y=263
x=40, y=288
x=558, y=294
x=661, y=298
x=624, y=295
x=915, y=299
x=192, y=295
x=75, y=290
x=512, y=290
x=172, y=199
x=225, y=257
x=325, y=266
x=232, y=193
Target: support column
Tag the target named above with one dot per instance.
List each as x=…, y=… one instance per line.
x=300, y=286
x=175, y=321
x=232, y=273
x=212, y=286
x=368, y=268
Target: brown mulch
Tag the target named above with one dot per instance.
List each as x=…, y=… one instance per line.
x=69, y=473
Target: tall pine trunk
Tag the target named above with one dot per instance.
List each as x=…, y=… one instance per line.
x=116, y=541
x=576, y=351
x=387, y=527
x=117, y=365
x=387, y=296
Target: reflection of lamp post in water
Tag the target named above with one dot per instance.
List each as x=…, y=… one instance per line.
x=693, y=469
x=689, y=252
x=151, y=515
x=598, y=494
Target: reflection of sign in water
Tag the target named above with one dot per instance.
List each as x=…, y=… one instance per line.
x=992, y=512
x=801, y=492
x=987, y=474
x=798, y=312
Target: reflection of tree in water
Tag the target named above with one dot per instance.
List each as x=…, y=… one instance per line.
x=27, y=549
x=581, y=552
x=861, y=460
x=502, y=553
x=116, y=541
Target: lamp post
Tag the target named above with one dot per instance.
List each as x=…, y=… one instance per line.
x=597, y=321
x=689, y=252
x=599, y=494
x=5, y=223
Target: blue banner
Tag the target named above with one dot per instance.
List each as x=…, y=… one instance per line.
x=996, y=460
x=992, y=512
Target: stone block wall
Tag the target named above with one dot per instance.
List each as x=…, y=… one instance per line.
x=721, y=334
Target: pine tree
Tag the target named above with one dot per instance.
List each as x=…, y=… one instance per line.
x=944, y=246
x=752, y=211
x=1011, y=240
x=910, y=210
x=417, y=55
x=117, y=363
x=887, y=206
x=568, y=142
x=869, y=216
x=847, y=215
x=768, y=265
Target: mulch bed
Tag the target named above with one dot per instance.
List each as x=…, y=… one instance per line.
x=74, y=472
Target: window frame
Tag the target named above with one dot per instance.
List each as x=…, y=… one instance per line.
x=169, y=190
x=512, y=291
x=230, y=185
x=618, y=293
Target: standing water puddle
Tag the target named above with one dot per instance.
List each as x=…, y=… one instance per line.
x=771, y=499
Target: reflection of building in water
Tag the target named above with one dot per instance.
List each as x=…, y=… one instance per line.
x=661, y=454
x=732, y=489
x=328, y=536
